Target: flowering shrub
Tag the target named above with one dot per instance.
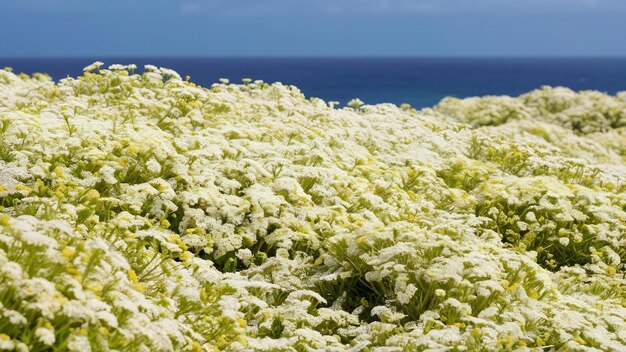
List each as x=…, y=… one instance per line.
x=141, y=212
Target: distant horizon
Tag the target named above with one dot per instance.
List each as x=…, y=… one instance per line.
x=419, y=81
x=460, y=57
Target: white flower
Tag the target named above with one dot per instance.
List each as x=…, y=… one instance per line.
x=170, y=73
x=108, y=318
x=153, y=166
x=37, y=239
x=107, y=174
x=387, y=314
x=117, y=67
x=355, y=103
x=94, y=66
x=245, y=255
x=151, y=68
x=11, y=270
x=14, y=317
x=404, y=297
x=45, y=336
x=7, y=345
x=78, y=343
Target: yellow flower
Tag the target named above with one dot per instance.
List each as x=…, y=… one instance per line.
x=507, y=341
x=73, y=271
x=132, y=276
x=610, y=270
x=580, y=340
x=512, y=287
x=23, y=187
x=539, y=341
x=476, y=333
x=60, y=299
x=196, y=347
x=186, y=255
x=68, y=252
x=97, y=289
x=242, y=340
x=5, y=337
x=175, y=238
x=131, y=150
x=58, y=172
x=4, y=220
x=91, y=195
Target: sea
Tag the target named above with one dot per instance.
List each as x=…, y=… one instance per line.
x=421, y=82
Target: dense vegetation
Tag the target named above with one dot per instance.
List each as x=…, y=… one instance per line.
x=141, y=212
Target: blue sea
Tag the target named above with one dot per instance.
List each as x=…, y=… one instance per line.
x=420, y=82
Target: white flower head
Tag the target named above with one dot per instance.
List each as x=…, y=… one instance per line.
x=45, y=336
x=355, y=103
x=94, y=66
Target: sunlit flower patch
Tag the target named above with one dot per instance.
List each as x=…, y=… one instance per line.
x=141, y=212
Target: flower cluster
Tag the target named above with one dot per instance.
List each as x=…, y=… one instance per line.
x=141, y=212
x=584, y=112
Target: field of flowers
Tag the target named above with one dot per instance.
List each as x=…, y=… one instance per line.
x=141, y=212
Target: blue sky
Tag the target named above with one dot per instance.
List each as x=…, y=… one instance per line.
x=34, y=28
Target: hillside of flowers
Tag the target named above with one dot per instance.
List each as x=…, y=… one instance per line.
x=142, y=212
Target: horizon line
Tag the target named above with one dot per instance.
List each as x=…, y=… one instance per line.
x=308, y=57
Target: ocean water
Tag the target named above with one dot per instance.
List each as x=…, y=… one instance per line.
x=420, y=82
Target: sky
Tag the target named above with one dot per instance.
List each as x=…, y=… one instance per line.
x=312, y=28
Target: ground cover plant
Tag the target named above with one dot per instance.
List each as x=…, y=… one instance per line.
x=141, y=212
